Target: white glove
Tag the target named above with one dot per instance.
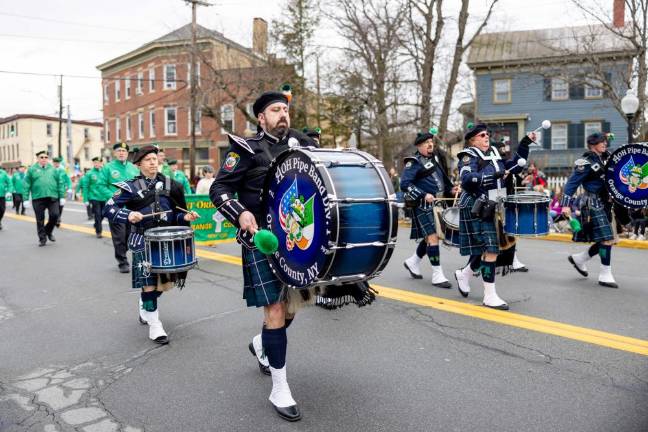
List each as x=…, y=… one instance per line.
x=27, y=204
x=8, y=196
x=69, y=191
x=86, y=204
x=62, y=201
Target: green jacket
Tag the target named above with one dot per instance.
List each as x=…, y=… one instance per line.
x=18, y=181
x=181, y=178
x=92, y=186
x=79, y=186
x=5, y=184
x=65, y=179
x=166, y=170
x=115, y=172
x=43, y=182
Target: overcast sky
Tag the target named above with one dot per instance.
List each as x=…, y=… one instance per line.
x=72, y=37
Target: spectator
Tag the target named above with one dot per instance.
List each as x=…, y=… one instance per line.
x=639, y=220
x=534, y=178
x=202, y=188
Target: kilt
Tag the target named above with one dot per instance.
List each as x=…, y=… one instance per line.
x=260, y=286
x=598, y=227
x=476, y=236
x=422, y=223
x=139, y=277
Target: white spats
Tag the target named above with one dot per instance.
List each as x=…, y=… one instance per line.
x=258, y=350
x=413, y=264
x=280, y=395
x=517, y=264
x=579, y=261
x=155, y=325
x=141, y=312
x=491, y=299
x=438, y=278
x=463, y=280
x=605, y=277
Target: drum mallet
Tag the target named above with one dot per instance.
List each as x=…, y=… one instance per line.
x=546, y=124
x=520, y=163
x=156, y=214
x=266, y=241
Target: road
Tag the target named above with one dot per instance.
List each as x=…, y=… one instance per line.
x=569, y=356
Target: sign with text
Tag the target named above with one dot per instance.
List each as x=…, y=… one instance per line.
x=211, y=226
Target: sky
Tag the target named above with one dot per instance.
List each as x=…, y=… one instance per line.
x=72, y=37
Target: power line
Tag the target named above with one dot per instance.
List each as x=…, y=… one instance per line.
x=31, y=17
x=17, y=36
x=50, y=74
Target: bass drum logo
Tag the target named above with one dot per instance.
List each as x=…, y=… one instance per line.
x=626, y=176
x=297, y=218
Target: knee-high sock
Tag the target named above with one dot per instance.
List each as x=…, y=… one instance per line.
x=488, y=271
x=274, y=343
x=421, y=249
x=433, y=255
x=149, y=300
x=594, y=249
x=288, y=322
x=605, y=253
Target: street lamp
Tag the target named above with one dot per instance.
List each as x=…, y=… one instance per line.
x=629, y=106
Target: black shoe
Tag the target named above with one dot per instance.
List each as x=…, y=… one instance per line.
x=522, y=269
x=141, y=321
x=124, y=268
x=609, y=284
x=162, y=340
x=22, y=213
x=500, y=307
x=58, y=225
x=582, y=272
x=98, y=235
x=42, y=242
x=414, y=275
x=265, y=370
x=51, y=237
x=445, y=284
x=291, y=413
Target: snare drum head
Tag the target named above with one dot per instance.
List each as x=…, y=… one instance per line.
x=168, y=232
x=296, y=201
x=451, y=217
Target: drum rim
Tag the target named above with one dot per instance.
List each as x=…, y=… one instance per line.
x=512, y=199
x=180, y=232
x=184, y=267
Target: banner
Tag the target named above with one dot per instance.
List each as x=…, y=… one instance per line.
x=211, y=226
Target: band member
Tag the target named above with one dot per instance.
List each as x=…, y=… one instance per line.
x=482, y=171
x=18, y=181
x=116, y=171
x=45, y=188
x=595, y=209
x=424, y=178
x=65, y=179
x=235, y=193
x=6, y=188
x=94, y=193
x=315, y=134
x=149, y=192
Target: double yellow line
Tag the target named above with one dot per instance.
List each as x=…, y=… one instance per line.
x=582, y=334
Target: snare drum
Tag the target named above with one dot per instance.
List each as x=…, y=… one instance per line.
x=335, y=214
x=450, y=217
x=526, y=214
x=169, y=249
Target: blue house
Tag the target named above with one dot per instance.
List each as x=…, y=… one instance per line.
x=570, y=76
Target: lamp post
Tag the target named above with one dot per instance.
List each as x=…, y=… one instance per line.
x=629, y=106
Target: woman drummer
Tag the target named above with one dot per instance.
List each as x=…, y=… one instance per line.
x=482, y=171
x=149, y=200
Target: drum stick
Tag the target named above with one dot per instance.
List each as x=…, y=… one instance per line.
x=184, y=210
x=454, y=203
x=156, y=214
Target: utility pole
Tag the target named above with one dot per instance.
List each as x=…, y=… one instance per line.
x=319, y=92
x=60, y=126
x=193, y=90
x=70, y=150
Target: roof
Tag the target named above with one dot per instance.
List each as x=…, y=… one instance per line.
x=43, y=117
x=179, y=36
x=519, y=47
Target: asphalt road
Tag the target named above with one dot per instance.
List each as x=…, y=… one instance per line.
x=74, y=357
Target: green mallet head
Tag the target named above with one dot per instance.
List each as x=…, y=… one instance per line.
x=266, y=242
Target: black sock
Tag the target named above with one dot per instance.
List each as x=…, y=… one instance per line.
x=288, y=322
x=488, y=271
x=475, y=262
x=274, y=345
x=421, y=249
x=149, y=300
x=433, y=255
x=605, y=252
x=593, y=250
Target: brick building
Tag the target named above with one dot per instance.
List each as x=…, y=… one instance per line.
x=146, y=92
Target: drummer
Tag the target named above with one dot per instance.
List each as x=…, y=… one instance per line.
x=149, y=193
x=595, y=209
x=425, y=178
x=482, y=172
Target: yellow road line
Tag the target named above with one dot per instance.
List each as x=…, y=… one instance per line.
x=568, y=331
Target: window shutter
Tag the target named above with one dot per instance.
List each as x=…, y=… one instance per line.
x=547, y=89
x=580, y=135
x=572, y=136
x=576, y=91
x=605, y=126
x=608, y=79
x=546, y=138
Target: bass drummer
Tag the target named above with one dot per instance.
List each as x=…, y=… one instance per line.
x=133, y=203
x=482, y=172
x=595, y=209
x=425, y=177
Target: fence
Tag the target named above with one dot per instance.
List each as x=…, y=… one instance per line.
x=552, y=182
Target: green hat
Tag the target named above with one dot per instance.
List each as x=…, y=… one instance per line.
x=57, y=159
x=172, y=161
x=42, y=152
x=120, y=145
x=96, y=159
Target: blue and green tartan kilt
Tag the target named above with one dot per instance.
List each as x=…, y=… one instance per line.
x=422, y=223
x=598, y=229
x=475, y=235
x=139, y=277
x=260, y=286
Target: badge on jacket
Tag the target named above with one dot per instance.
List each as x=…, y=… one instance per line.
x=231, y=160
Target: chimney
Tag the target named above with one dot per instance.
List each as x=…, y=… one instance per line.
x=618, y=13
x=260, y=36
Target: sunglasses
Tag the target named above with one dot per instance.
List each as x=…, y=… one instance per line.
x=43, y=157
x=483, y=135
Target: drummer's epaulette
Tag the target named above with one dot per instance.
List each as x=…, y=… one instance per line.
x=581, y=162
x=409, y=159
x=235, y=140
x=123, y=186
x=467, y=152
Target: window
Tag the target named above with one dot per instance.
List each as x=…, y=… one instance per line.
x=107, y=131
x=202, y=153
x=170, y=76
x=248, y=124
x=127, y=88
x=86, y=153
x=559, y=89
x=152, y=124
x=559, y=136
x=197, y=74
x=227, y=118
x=151, y=74
x=198, y=118
x=117, y=89
x=140, y=125
x=86, y=133
x=50, y=149
x=593, y=90
x=170, y=121
x=13, y=130
x=48, y=127
x=105, y=94
x=140, y=83
x=117, y=129
x=590, y=128
x=128, y=127
x=502, y=91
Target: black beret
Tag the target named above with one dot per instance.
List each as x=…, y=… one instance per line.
x=143, y=151
x=172, y=161
x=120, y=145
x=312, y=133
x=596, y=138
x=476, y=129
x=421, y=137
x=57, y=159
x=266, y=99
x=42, y=152
x=96, y=159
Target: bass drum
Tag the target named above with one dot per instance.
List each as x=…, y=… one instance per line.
x=334, y=213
